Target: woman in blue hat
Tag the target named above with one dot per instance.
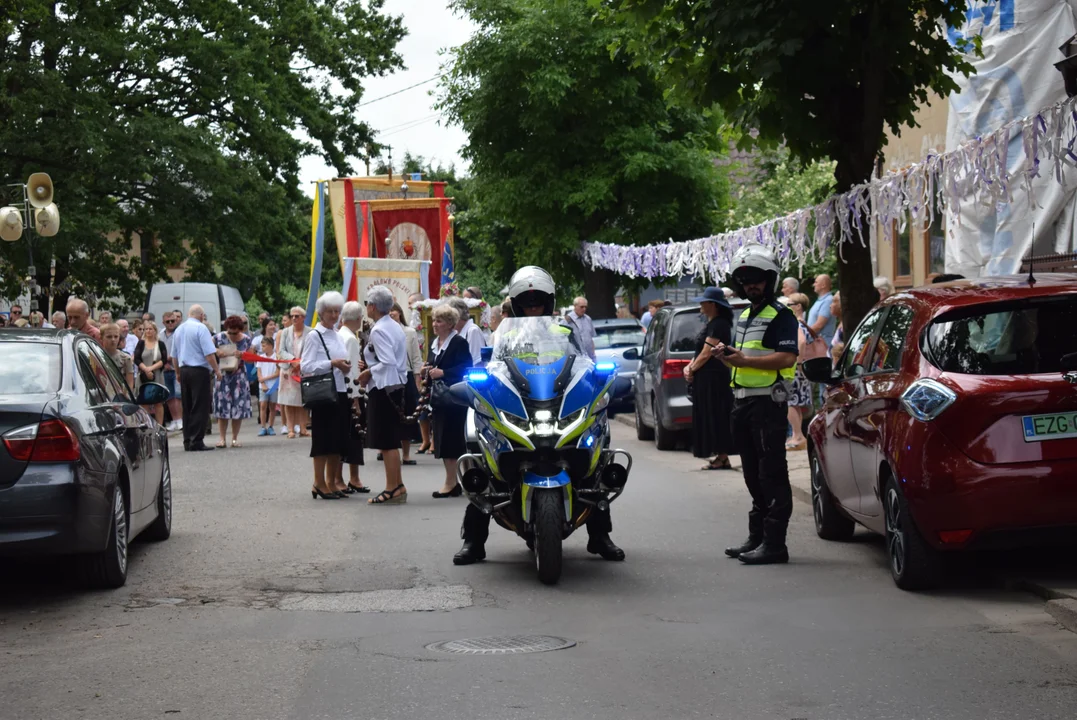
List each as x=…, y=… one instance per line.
x=712, y=396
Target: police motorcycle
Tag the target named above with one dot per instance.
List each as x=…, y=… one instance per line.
x=542, y=465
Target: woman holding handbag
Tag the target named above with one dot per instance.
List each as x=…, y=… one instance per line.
x=386, y=359
x=232, y=392
x=450, y=358
x=150, y=355
x=324, y=366
x=810, y=346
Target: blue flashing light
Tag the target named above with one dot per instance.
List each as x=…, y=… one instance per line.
x=605, y=367
x=477, y=376
x=589, y=441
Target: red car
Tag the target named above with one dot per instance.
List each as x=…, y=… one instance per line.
x=950, y=422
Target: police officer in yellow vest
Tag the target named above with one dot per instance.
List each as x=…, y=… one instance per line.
x=762, y=363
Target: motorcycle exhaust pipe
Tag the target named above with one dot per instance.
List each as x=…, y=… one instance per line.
x=614, y=476
x=475, y=481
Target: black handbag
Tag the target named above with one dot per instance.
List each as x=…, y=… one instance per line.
x=319, y=391
x=440, y=399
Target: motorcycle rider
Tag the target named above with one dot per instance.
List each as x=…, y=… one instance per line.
x=762, y=364
x=532, y=291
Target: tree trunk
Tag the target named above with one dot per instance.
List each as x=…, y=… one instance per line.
x=855, y=273
x=600, y=288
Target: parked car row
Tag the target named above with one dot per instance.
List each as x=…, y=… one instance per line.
x=84, y=469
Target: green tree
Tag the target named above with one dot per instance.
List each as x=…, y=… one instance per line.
x=826, y=77
x=568, y=144
x=787, y=186
x=183, y=121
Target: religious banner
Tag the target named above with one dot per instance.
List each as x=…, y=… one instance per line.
x=410, y=230
x=402, y=277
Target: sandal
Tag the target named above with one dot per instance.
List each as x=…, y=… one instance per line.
x=221, y=444
x=396, y=496
x=291, y=435
x=802, y=445
x=237, y=444
x=408, y=462
x=725, y=465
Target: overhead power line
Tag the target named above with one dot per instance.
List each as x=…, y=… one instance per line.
x=409, y=87
x=408, y=126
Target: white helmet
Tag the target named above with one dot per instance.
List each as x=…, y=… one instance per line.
x=531, y=286
x=749, y=263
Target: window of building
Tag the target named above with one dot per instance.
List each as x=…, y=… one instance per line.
x=936, y=243
x=902, y=242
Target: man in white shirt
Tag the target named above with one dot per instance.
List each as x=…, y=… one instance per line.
x=468, y=329
x=128, y=341
x=194, y=354
x=584, y=327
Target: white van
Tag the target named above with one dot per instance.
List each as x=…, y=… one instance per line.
x=219, y=301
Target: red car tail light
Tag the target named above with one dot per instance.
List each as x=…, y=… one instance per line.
x=954, y=537
x=47, y=441
x=673, y=369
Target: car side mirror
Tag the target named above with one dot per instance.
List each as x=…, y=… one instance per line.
x=820, y=370
x=152, y=394
x=631, y=354
x=1069, y=362
x=486, y=354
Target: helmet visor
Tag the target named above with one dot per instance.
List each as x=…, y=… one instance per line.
x=750, y=275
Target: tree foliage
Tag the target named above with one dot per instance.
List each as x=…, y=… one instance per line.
x=824, y=77
x=568, y=144
x=183, y=121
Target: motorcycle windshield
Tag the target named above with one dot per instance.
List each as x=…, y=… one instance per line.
x=536, y=350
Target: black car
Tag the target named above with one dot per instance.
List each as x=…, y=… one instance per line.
x=83, y=467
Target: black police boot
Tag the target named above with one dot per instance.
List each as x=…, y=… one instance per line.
x=765, y=555
x=471, y=552
x=747, y=546
x=600, y=544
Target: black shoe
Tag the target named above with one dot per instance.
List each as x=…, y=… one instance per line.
x=358, y=488
x=457, y=491
x=200, y=448
x=602, y=545
x=471, y=552
x=746, y=546
x=765, y=555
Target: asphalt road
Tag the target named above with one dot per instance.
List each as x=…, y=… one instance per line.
x=266, y=604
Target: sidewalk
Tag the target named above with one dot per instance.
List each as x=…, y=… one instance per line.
x=1057, y=587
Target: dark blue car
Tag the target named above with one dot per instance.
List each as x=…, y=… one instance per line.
x=83, y=466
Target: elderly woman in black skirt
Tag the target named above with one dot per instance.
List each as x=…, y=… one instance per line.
x=323, y=352
x=449, y=359
x=386, y=372
x=712, y=396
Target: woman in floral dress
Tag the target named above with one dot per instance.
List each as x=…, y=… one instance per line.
x=232, y=393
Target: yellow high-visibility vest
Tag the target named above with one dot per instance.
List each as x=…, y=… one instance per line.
x=748, y=338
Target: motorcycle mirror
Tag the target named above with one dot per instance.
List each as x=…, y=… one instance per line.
x=459, y=394
x=1069, y=362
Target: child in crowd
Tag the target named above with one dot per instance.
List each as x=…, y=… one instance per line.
x=110, y=341
x=268, y=379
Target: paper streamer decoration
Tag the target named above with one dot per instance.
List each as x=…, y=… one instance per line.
x=975, y=172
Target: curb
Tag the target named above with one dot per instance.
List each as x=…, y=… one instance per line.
x=1064, y=611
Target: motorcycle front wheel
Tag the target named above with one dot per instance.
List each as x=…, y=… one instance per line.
x=549, y=509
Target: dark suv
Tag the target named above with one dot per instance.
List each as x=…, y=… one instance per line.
x=663, y=408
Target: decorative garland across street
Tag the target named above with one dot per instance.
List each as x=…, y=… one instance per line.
x=976, y=171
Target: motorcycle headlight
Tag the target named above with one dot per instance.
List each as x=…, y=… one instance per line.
x=926, y=399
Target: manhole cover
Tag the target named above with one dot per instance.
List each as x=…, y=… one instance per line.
x=515, y=645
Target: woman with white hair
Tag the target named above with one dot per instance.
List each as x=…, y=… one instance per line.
x=351, y=324
x=386, y=358
x=884, y=287
x=289, y=396
x=324, y=352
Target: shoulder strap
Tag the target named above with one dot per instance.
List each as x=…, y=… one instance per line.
x=324, y=346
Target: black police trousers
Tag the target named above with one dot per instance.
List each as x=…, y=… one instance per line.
x=476, y=527
x=759, y=426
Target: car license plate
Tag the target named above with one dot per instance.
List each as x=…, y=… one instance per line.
x=1052, y=426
